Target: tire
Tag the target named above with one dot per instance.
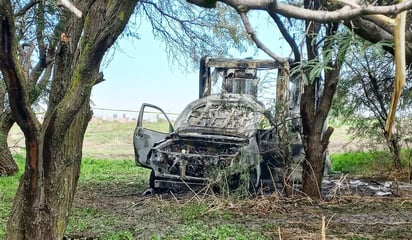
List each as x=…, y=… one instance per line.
x=152, y=179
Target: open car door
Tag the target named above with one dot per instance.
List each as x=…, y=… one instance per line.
x=153, y=125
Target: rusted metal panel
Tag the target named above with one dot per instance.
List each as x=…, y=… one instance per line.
x=242, y=63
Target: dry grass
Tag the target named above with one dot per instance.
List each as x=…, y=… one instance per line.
x=118, y=206
x=103, y=140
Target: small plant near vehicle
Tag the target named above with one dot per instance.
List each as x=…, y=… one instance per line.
x=234, y=182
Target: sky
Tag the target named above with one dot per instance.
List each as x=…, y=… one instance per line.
x=139, y=72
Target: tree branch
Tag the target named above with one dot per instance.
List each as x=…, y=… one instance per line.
x=12, y=73
x=400, y=66
x=287, y=10
x=286, y=35
x=254, y=37
x=204, y=3
x=24, y=9
x=69, y=6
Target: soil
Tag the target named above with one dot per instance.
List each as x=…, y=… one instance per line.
x=348, y=212
x=352, y=209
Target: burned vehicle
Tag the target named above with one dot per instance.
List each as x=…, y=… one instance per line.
x=217, y=136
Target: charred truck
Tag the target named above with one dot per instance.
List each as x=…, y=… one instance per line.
x=223, y=133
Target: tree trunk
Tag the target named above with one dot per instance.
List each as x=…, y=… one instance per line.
x=316, y=102
x=395, y=149
x=312, y=166
x=54, y=146
x=8, y=166
x=34, y=218
x=311, y=137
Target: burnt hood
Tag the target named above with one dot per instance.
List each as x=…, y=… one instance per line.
x=235, y=115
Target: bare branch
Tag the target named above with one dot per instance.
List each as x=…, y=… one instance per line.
x=343, y=13
x=204, y=3
x=69, y=5
x=286, y=35
x=346, y=12
x=400, y=66
x=254, y=37
x=24, y=9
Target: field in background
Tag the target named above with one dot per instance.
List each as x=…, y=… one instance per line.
x=103, y=140
x=111, y=139
x=108, y=203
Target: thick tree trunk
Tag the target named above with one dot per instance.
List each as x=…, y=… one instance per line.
x=311, y=137
x=48, y=217
x=313, y=165
x=54, y=146
x=395, y=149
x=8, y=166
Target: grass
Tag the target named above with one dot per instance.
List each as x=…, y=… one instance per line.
x=108, y=204
x=109, y=140
x=370, y=163
x=352, y=162
x=109, y=171
x=8, y=188
x=111, y=177
x=201, y=231
x=178, y=219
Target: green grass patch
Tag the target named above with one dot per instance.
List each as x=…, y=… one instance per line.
x=8, y=188
x=102, y=170
x=352, y=162
x=95, y=223
x=201, y=230
x=93, y=171
x=366, y=163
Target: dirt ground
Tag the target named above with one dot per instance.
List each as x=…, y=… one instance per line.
x=347, y=214
x=349, y=211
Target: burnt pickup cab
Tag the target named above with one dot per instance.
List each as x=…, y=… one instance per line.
x=211, y=136
x=215, y=137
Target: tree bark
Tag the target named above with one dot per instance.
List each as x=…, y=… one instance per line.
x=48, y=218
x=375, y=32
x=312, y=166
x=395, y=149
x=8, y=166
x=311, y=137
x=54, y=147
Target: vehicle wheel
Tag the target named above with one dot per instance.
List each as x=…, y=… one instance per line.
x=151, y=189
x=152, y=179
x=254, y=180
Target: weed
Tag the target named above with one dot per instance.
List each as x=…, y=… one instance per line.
x=370, y=163
x=107, y=206
x=119, y=235
x=192, y=211
x=203, y=231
